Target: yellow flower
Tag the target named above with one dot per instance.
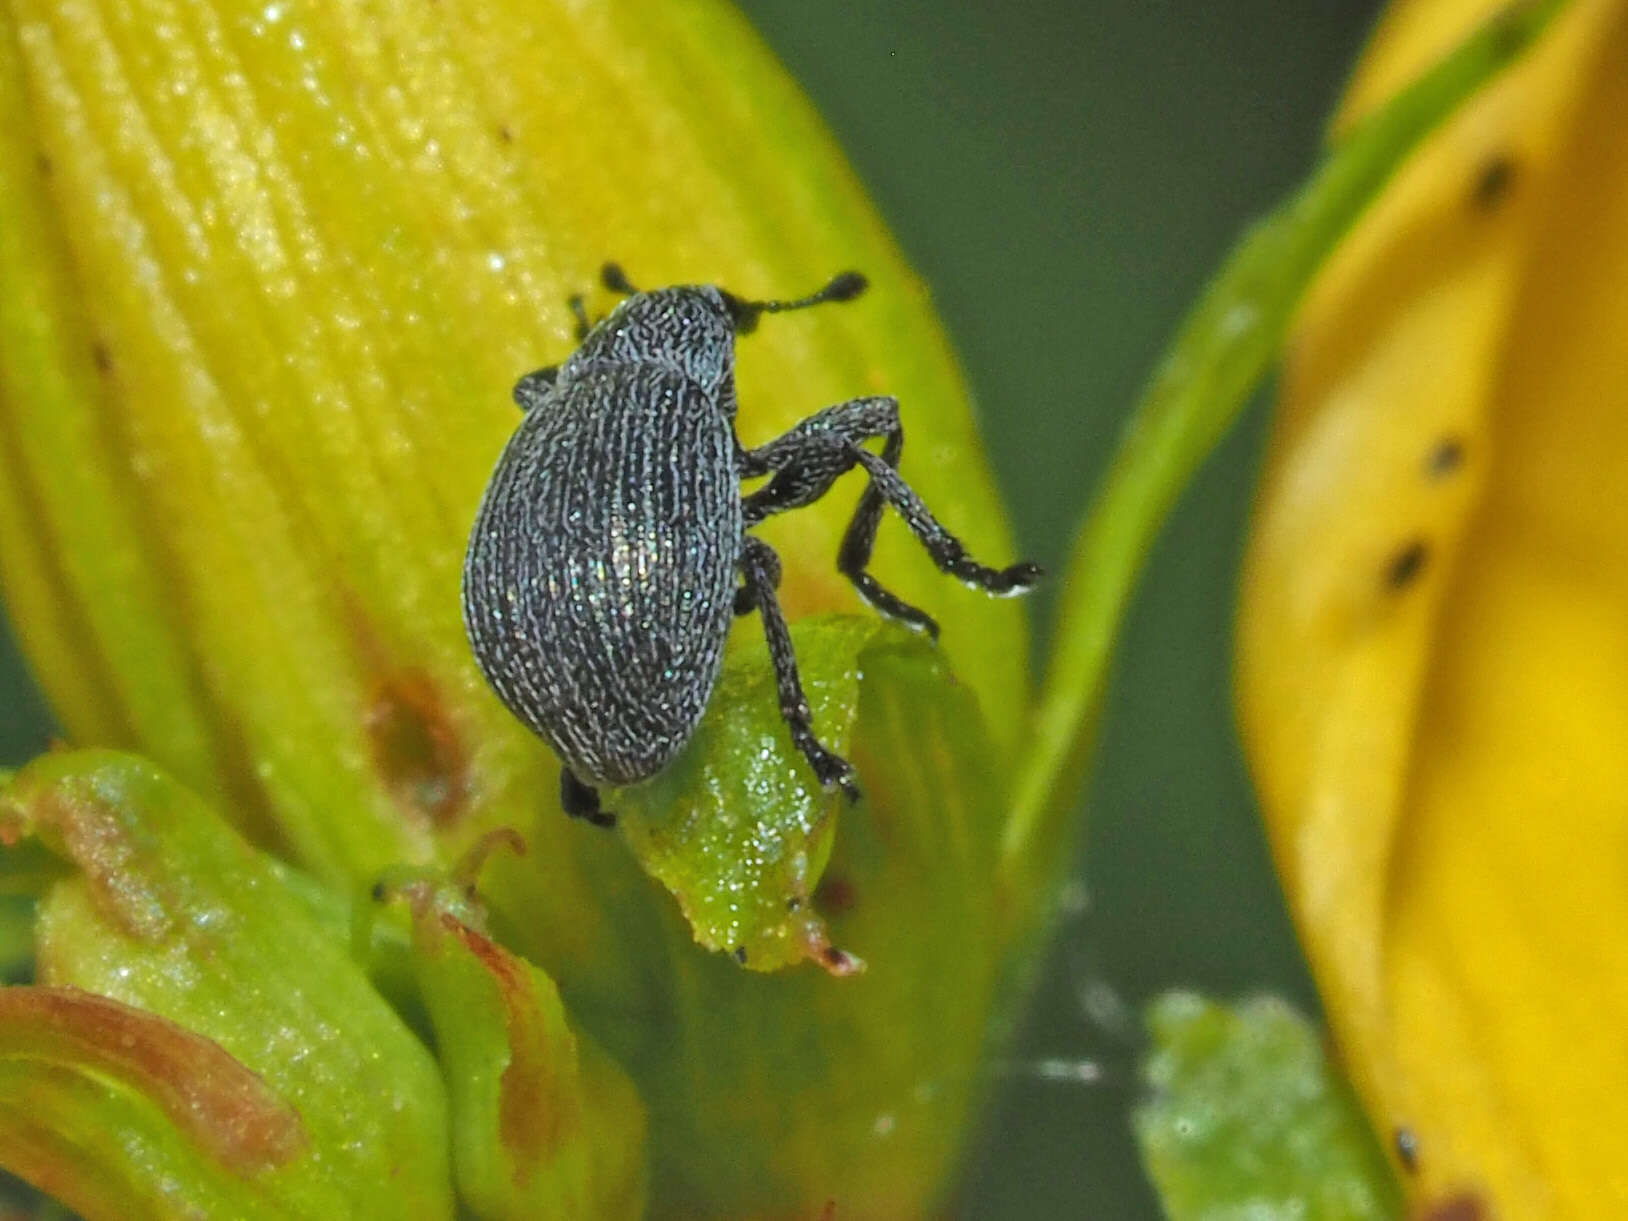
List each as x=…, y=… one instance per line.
x=1433, y=639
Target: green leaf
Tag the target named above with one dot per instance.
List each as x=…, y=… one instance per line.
x=172, y=915
x=544, y=1124
x=1220, y=354
x=1248, y=1121
x=737, y=827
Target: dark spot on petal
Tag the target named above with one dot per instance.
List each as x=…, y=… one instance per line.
x=1407, y=1148
x=43, y=164
x=740, y=954
x=1492, y=183
x=1464, y=1206
x=1405, y=566
x=835, y=895
x=504, y=134
x=378, y=892
x=1445, y=457
x=415, y=747
x=795, y=903
x=103, y=358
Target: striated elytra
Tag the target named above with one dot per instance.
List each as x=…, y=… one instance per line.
x=611, y=549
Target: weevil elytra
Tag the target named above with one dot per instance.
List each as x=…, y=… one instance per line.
x=612, y=547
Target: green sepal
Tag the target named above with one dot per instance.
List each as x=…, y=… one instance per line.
x=544, y=1123
x=120, y=1113
x=172, y=915
x=1248, y=1119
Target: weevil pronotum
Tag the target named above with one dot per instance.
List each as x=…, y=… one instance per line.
x=613, y=545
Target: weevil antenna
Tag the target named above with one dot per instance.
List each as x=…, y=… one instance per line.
x=614, y=278
x=844, y=286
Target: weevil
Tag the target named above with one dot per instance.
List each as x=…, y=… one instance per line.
x=612, y=548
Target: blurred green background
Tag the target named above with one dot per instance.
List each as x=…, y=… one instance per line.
x=1066, y=175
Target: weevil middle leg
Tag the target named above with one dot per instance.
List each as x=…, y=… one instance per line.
x=758, y=564
x=746, y=594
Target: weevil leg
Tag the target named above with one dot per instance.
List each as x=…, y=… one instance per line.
x=533, y=390
x=945, y=549
x=582, y=800
x=854, y=555
x=805, y=462
x=746, y=596
x=758, y=565
x=808, y=459
x=580, y=312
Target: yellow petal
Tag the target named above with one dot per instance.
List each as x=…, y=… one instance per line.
x=1433, y=638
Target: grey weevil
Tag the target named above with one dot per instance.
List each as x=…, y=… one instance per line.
x=601, y=576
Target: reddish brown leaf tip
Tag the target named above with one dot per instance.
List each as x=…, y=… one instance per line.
x=209, y=1094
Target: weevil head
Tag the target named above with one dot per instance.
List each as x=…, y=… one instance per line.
x=688, y=329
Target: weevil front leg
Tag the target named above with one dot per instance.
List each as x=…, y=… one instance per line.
x=533, y=390
x=807, y=460
x=759, y=565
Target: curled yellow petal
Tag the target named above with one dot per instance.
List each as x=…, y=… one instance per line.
x=1434, y=628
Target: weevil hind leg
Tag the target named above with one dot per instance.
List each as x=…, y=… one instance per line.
x=582, y=800
x=758, y=566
